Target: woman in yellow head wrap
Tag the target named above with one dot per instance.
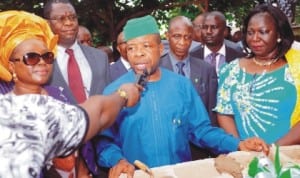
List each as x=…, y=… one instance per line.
x=26, y=60
x=25, y=39
x=16, y=27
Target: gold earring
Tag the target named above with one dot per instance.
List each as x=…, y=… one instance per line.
x=14, y=76
x=278, y=40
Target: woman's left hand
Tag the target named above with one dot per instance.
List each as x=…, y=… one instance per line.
x=254, y=144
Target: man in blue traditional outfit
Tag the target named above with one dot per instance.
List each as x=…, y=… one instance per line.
x=170, y=113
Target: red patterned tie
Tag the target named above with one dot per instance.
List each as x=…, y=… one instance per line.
x=74, y=77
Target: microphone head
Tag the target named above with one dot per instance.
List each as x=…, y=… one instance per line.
x=142, y=79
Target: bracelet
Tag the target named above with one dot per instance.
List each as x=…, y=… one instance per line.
x=123, y=94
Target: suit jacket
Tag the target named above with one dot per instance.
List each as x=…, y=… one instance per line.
x=204, y=78
x=117, y=69
x=98, y=62
x=232, y=51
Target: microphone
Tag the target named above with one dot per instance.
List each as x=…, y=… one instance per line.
x=142, y=79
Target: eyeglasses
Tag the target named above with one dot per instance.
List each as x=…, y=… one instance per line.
x=33, y=58
x=63, y=19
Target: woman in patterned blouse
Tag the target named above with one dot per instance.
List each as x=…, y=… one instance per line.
x=258, y=94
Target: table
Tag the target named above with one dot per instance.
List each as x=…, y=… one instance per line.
x=205, y=168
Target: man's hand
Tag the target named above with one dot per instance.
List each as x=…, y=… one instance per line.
x=123, y=166
x=254, y=144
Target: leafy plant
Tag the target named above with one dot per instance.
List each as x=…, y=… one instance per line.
x=255, y=167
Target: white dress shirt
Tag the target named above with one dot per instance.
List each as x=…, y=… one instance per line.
x=220, y=52
x=125, y=63
x=84, y=67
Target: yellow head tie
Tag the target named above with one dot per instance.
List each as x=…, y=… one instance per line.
x=17, y=26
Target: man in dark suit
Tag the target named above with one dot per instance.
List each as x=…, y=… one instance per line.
x=122, y=65
x=213, y=29
x=201, y=73
x=91, y=64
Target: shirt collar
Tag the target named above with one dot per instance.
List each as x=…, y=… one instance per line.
x=74, y=46
x=125, y=63
x=174, y=60
x=207, y=51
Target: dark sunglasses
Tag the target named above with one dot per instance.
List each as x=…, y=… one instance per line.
x=33, y=58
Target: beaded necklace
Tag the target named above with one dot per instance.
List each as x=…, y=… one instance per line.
x=265, y=63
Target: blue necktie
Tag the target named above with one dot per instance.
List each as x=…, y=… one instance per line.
x=180, y=68
x=213, y=59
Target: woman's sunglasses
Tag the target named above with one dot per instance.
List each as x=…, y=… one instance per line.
x=33, y=58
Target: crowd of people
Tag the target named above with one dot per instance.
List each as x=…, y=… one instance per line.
x=66, y=111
